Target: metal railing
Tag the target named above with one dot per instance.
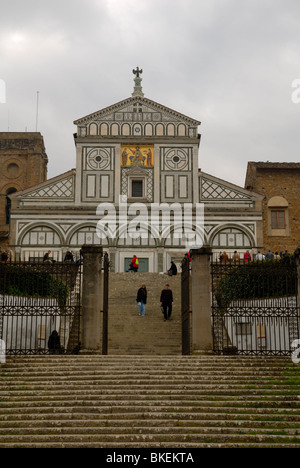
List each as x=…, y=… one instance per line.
x=38, y=298
x=255, y=306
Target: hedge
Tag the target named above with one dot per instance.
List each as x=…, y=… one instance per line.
x=21, y=281
x=257, y=280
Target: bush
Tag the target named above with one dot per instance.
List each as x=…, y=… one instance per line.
x=257, y=280
x=23, y=281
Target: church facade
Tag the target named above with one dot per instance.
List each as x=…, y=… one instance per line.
x=135, y=156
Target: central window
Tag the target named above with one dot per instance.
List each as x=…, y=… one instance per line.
x=137, y=189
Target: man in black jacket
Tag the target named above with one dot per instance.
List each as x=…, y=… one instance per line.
x=166, y=301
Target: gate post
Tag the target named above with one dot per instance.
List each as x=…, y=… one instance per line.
x=91, y=298
x=202, y=338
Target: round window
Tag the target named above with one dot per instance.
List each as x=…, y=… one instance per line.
x=13, y=170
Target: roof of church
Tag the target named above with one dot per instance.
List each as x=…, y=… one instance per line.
x=132, y=100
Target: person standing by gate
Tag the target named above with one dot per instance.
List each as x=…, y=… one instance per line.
x=166, y=301
x=141, y=299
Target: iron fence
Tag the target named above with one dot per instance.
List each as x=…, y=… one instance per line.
x=255, y=307
x=38, y=298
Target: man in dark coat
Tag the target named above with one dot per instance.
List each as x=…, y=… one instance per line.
x=166, y=301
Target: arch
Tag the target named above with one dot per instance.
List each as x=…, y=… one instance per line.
x=93, y=129
x=103, y=129
x=84, y=234
x=278, y=202
x=149, y=130
x=123, y=239
x=126, y=129
x=115, y=130
x=231, y=236
x=181, y=130
x=137, y=130
x=11, y=185
x=169, y=240
x=38, y=234
x=160, y=130
x=171, y=130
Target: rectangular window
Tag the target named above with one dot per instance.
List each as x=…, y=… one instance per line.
x=137, y=189
x=278, y=219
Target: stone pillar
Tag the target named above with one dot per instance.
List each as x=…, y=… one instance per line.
x=91, y=298
x=202, y=339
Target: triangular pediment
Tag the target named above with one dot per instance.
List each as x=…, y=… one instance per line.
x=216, y=191
x=60, y=188
x=136, y=109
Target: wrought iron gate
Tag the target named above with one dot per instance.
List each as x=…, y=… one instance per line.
x=255, y=309
x=37, y=299
x=185, y=306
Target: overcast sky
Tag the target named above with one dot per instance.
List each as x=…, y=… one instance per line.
x=228, y=63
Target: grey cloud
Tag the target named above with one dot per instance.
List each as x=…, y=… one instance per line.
x=227, y=63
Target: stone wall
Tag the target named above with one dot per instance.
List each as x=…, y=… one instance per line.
x=280, y=180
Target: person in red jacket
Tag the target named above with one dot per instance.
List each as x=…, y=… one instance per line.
x=247, y=257
x=134, y=265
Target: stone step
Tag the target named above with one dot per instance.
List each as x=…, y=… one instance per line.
x=147, y=445
x=143, y=370
x=192, y=362
x=127, y=431
x=140, y=383
x=207, y=420
x=95, y=401
x=108, y=409
x=130, y=334
x=180, y=417
x=156, y=400
x=150, y=438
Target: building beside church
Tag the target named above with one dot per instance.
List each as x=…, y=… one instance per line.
x=279, y=184
x=147, y=154
x=23, y=164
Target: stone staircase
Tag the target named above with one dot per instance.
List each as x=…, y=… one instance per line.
x=92, y=401
x=130, y=334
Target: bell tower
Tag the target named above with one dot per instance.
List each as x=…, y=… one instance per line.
x=23, y=164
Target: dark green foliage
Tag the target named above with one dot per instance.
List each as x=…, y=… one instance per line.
x=256, y=280
x=21, y=280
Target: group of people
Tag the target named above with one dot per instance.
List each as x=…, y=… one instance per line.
x=134, y=267
x=69, y=257
x=166, y=301
x=248, y=257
